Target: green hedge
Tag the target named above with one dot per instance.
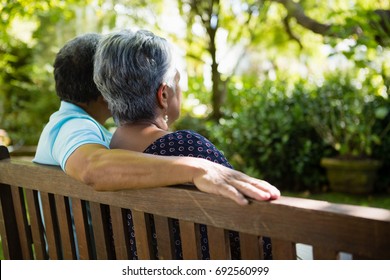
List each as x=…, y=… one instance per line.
x=266, y=133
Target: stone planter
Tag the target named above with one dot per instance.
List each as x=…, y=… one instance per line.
x=355, y=176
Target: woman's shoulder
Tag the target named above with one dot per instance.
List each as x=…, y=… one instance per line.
x=188, y=134
x=187, y=143
x=184, y=137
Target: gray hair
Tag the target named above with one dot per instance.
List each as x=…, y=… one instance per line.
x=128, y=70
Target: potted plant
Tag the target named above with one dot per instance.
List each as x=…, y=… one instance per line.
x=345, y=113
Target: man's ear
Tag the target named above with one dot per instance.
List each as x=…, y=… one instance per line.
x=162, y=96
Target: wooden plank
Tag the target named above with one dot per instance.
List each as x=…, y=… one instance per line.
x=219, y=244
x=10, y=235
x=143, y=235
x=82, y=229
x=101, y=229
x=65, y=227
x=120, y=233
x=51, y=226
x=165, y=242
x=251, y=247
x=8, y=222
x=24, y=230
x=324, y=253
x=283, y=250
x=36, y=224
x=190, y=240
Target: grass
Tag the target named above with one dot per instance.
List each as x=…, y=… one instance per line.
x=371, y=200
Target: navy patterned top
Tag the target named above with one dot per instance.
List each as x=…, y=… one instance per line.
x=189, y=144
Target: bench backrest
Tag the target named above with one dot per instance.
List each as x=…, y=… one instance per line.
x=39, y=202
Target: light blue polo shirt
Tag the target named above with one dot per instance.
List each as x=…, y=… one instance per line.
x=68, y=128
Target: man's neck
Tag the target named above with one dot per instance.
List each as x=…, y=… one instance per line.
x=96, y=110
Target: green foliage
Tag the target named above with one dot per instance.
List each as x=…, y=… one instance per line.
x=382, y=152
x=272, y=136
x=343, y=111
x=270, y=132
x=267, y=136
x=27, y=95
x=22, y=86
x=31, y=33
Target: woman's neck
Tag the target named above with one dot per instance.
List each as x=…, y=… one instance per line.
x=144, y=124
x=137, y=136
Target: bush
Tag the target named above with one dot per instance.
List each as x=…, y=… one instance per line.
x=268, y=138
x=27, y=96
x=265, y=133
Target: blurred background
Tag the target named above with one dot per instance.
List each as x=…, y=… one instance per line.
x=277, y=85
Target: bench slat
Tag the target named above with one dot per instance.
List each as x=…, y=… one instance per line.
x=51, y=226
x=82, y=229
x=250, y=246
x=143, y=235
x=219, y=244
x=283, y=250
x=104, y=243
x=190, y=240
x=36, y=224
x=164, y=234
x=8, y=221
x=65, y=227
x=120, y=233
x=24, y=230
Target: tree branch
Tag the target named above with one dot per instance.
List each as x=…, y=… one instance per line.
x=378, y=19
x=289, y=31
x=296, y=11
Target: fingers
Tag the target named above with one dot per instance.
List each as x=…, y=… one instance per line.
x=262, y=188
x=239, y=189
x=234, y=184
x=230, y=192
x=254, y=188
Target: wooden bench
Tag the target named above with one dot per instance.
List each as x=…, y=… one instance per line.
x=36, y=221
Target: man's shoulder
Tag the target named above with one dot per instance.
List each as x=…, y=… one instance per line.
x=68, y=112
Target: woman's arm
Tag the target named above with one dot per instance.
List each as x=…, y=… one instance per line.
x=110, y=170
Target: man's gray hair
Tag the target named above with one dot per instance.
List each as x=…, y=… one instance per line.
x=128, y=70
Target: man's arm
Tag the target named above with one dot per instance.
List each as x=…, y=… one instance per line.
x=110, y=170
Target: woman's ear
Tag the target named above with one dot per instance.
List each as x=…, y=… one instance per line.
x=162, y=96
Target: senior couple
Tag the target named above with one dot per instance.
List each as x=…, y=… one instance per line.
x=132, y=77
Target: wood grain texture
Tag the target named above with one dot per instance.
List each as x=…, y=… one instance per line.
x=251, y=248
x=190, y=240
x=36, y=224
x=51, y=226
x=120, y=233
x=361, y=231
x=165, y=242
x=102, y=232
x=143, y=235
x=65, y=227
x=219, y=244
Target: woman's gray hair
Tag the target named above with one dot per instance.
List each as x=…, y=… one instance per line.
x=128, y=70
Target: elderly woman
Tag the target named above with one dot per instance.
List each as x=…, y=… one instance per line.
x=136, y=75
